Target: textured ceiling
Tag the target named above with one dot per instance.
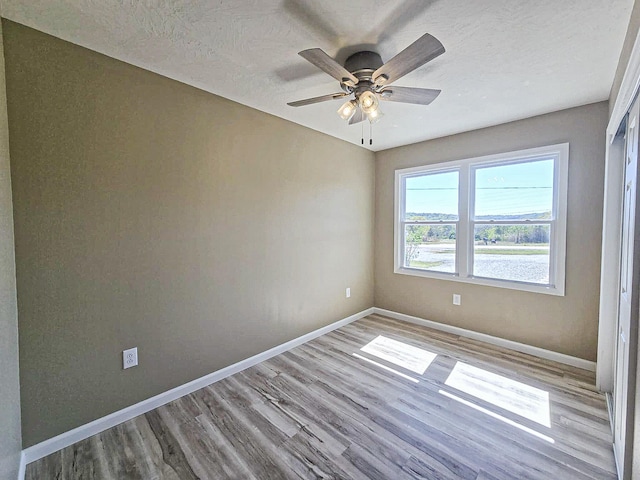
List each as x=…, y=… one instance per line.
x=505, y=59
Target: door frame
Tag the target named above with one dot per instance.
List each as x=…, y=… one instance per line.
x=612, y=222
x=611, y=254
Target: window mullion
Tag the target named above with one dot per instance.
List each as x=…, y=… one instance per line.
x=463, y=244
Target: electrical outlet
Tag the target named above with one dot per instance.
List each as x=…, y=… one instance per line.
x=456, y=299
x=348, y=292
x=130, y=358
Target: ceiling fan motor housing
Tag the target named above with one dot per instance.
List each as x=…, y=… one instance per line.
x=363, y=64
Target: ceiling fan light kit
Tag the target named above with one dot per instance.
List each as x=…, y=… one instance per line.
x=368, y=101
x=375, y=116
x=367, y=78
x=348, y=109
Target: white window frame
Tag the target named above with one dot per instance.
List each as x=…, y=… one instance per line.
x=465, y=224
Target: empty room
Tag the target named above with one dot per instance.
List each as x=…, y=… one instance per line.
x=292, y=239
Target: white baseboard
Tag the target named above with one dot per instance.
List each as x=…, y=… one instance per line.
x=66, y=439
x=501, y=342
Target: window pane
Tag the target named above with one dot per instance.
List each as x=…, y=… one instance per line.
x=518, y=191
x=512, y=252
x=431, y=247
x=432, y=197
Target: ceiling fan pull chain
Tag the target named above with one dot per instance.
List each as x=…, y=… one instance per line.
x=370, y=134
x=362, y=133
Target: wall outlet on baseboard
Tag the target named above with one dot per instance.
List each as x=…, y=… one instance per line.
x=456, y=299
x=348, y=292
x=130, y=358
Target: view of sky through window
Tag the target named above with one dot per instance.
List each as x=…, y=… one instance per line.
x=436, y=193
x=515, y=191
x=522, y=190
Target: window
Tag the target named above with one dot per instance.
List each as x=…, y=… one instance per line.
x=498, y=220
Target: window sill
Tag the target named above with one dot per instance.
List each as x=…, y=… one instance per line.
x=488, y=282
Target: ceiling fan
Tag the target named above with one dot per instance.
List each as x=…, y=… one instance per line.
x=366, y=77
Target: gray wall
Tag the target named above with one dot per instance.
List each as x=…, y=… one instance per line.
x=152, y=214
x=10, y=436
x=563, y=324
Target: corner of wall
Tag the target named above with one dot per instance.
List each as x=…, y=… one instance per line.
x=10, y=422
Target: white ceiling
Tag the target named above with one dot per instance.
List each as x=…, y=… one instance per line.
x=505, y=59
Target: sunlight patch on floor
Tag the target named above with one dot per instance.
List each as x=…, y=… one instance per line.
x=384, y=367
x=516, y=397
x=498, y=417
x=407, y=356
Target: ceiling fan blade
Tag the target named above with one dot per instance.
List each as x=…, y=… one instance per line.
x=323, y=98
x=357, y=117
x=423, y=50
x=420, y=96
x=327, y=64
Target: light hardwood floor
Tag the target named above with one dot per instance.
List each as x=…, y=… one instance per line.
x=478, y=412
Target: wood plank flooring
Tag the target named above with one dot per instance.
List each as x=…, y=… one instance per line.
x=319, y=411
